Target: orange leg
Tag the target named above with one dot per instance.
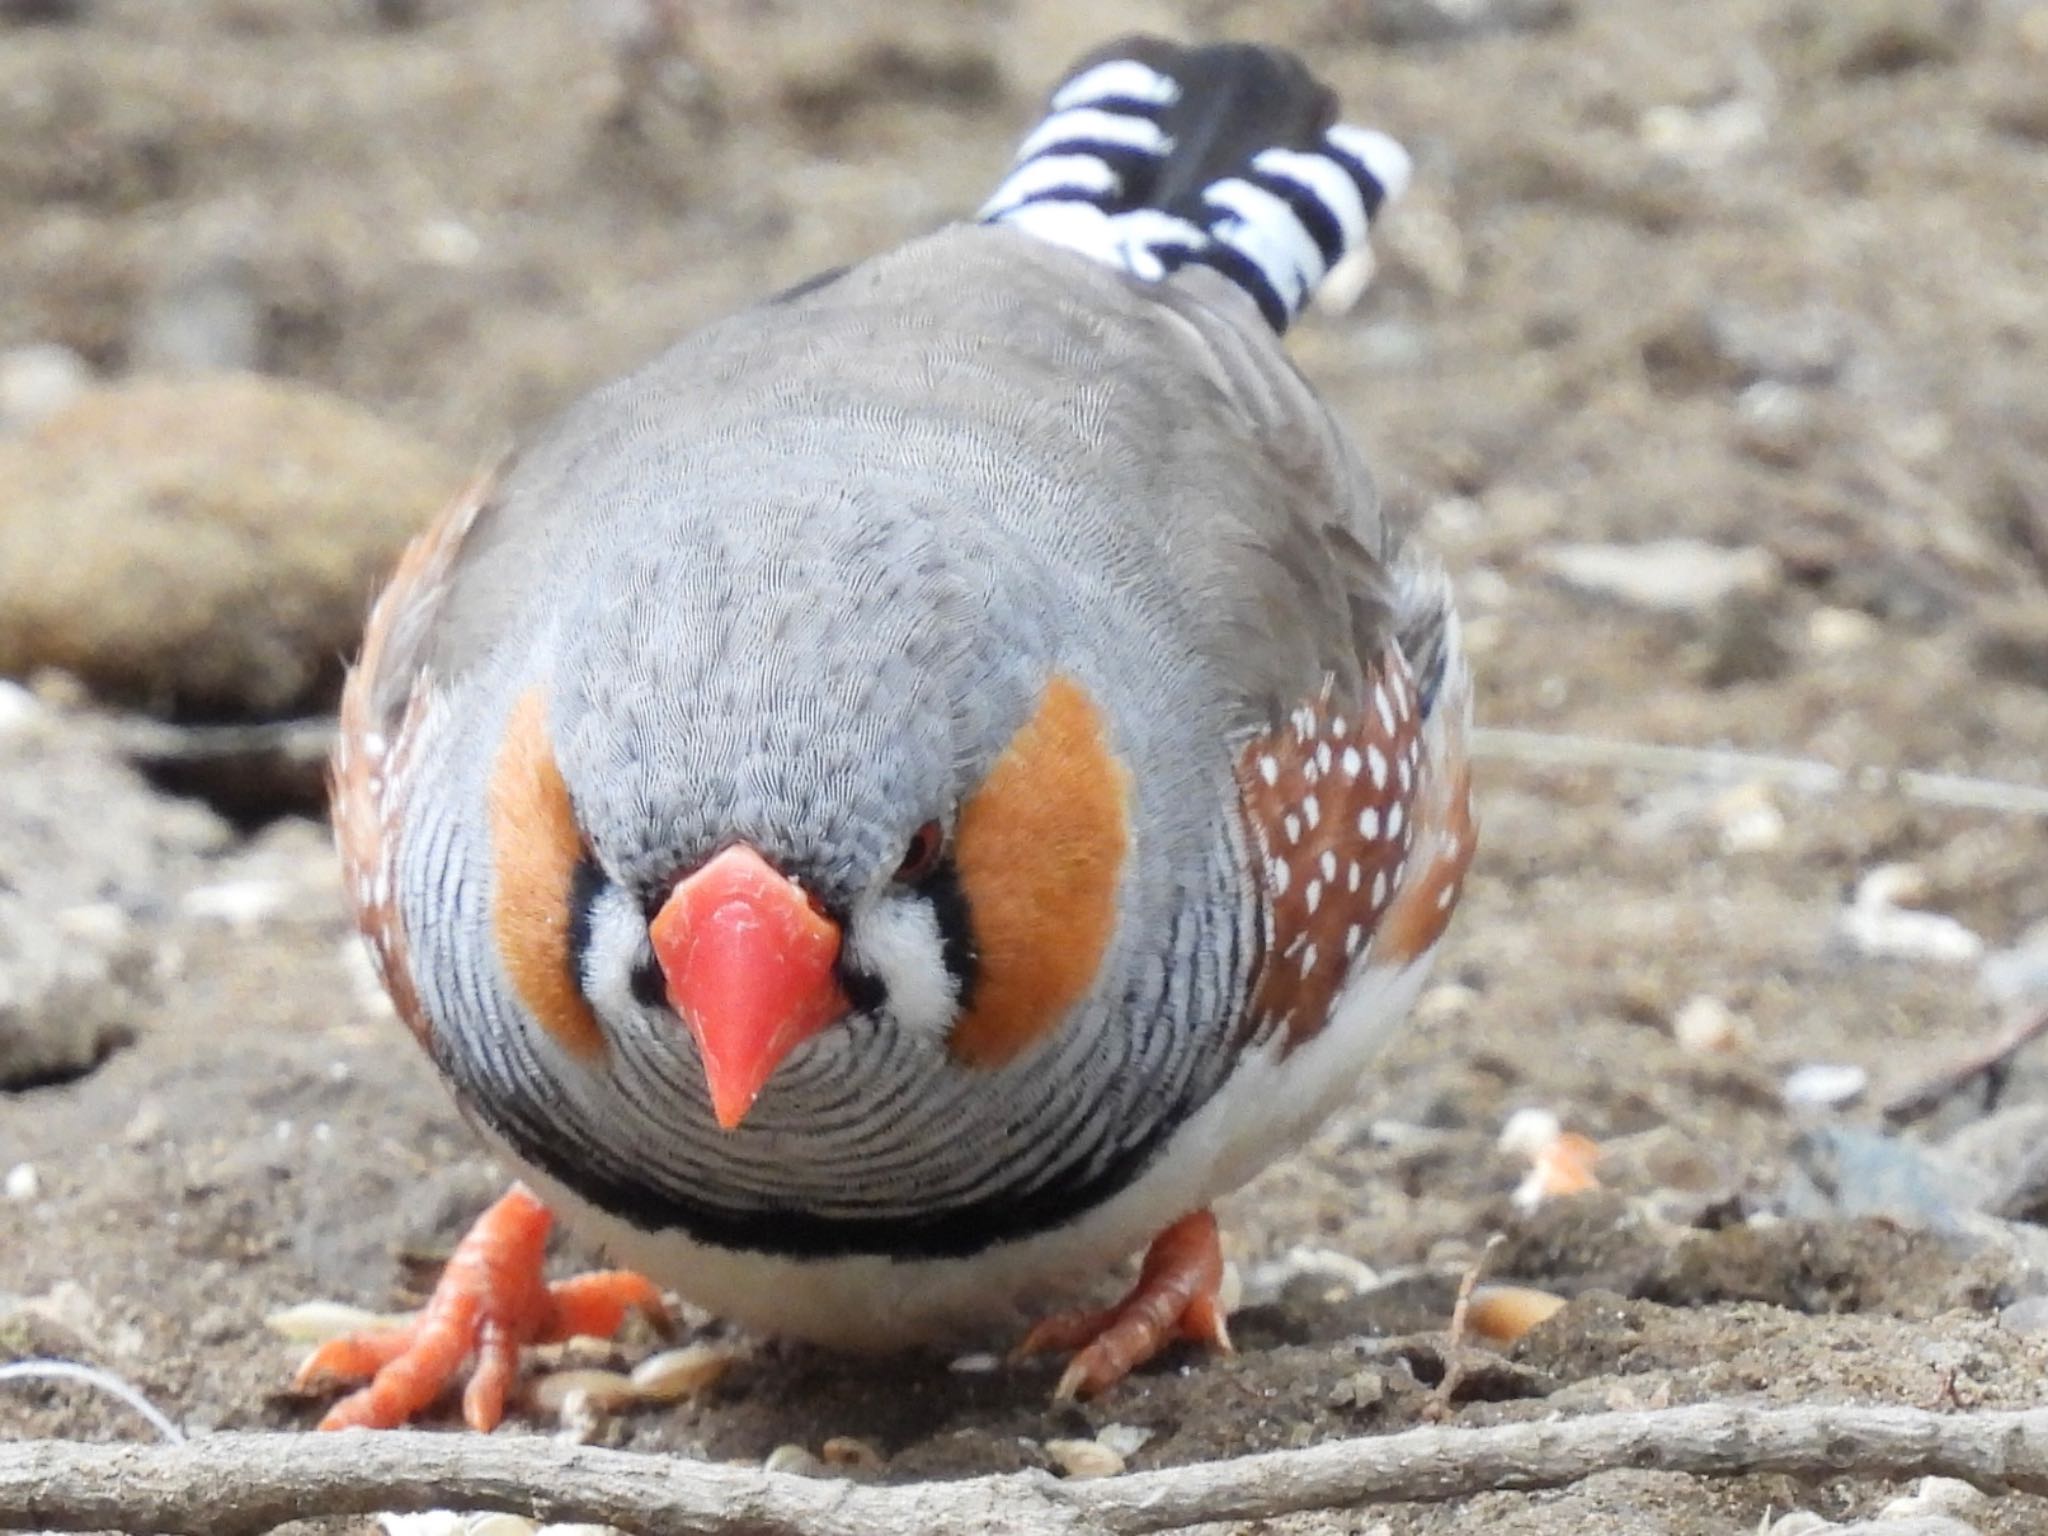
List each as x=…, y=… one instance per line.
x=1175, y=1297
x=490, y=1302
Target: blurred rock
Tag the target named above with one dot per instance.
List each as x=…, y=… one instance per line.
x=86, y=849
x=1665, y=575
x=204, y=546
x=1741, y=641
x=1404, y=23
x=200, y=316
x=1842, y=1171
x=41, y=10
x=37, y=381
x=1888, y=37
x=2008, y=1151
x=1730, y=346
x=2012, y=642
x=2017, y=977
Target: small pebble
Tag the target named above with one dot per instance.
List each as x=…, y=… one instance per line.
x=1936, y=1496
x=977, y=1364
x=23, y=1183
x=1705, y=1026
x=2028, y=1317
x=1748, y=819
x=40, y=379
x=795, y=1460
x=241, y=904
x=1528, y=1132
x=1838, y=631
x=1079, y=1459
x=1825, y=1085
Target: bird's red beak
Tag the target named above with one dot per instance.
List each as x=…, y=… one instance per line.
x=749, y=966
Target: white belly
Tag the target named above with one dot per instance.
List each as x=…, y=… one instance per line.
x=1268, y=1107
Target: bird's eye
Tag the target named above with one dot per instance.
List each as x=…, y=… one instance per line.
x=921, y=857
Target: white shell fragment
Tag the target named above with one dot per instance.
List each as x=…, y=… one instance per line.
x=315, y=1322
x=603, y=1391
x=679, y=1373
x=1825, y=1085
x=1081, y=1459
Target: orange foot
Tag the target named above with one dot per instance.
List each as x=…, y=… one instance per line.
x=491, y=1300
x=1175, y=1297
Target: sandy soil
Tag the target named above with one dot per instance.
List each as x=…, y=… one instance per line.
x=1764, y=275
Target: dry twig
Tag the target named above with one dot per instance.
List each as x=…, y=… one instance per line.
x=1990, y=1064
x=1804, y=774
x=236, y=1485
x=1456, y=1352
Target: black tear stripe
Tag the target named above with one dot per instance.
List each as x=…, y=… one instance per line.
x=586, y=881
x=956, y=930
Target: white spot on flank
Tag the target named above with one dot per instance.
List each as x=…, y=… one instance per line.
x=1352, y=762
x=1352, y=876
x=1443, y=897
x=1269, y=770
x=1291, y=825
x=1407, y=776
x=1323, y=756
x=1277, y=876
x=1308, y=961
x=1379, y=889
x=1369, y=824
x=1328, y=864
x=1377, y=761
x=1314, y=896
x=1340, y=727
x=1384, y=706
x=1394, y=819
x=1312, y=808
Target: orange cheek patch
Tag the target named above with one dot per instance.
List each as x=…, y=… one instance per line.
x=1040, y=849
x=534, y=851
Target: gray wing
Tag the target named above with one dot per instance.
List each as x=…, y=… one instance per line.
x=1155, y=425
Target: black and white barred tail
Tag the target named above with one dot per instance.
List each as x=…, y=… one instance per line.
x=1153, y=156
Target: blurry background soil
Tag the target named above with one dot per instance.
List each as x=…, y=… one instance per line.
x=1770, y=278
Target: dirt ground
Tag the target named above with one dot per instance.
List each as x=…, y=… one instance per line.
x=1771, y=276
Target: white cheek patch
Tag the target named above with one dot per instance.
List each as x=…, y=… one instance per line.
x=898, y=940
x=618, y=943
